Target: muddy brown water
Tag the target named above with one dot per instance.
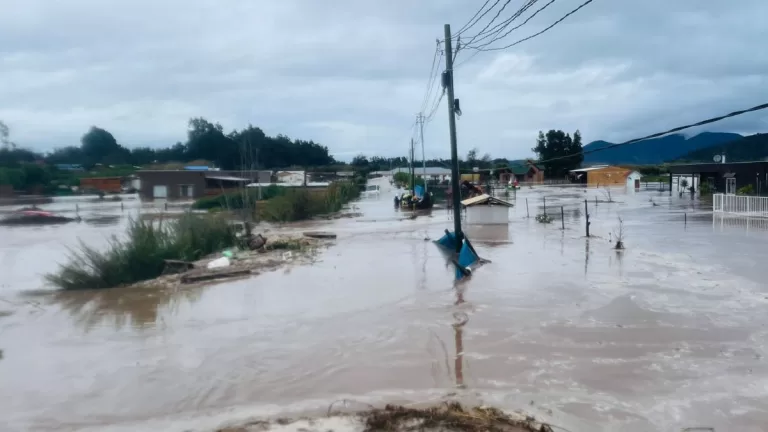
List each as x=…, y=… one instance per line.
x=670, y=333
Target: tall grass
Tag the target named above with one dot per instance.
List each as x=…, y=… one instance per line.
x=300, y=204
x=237, y=200
x=142, y=253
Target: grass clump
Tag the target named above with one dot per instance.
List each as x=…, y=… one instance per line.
x=543, y=218
x=301, y=203
x=237, y=200
x=142, y=253
x=450, y=416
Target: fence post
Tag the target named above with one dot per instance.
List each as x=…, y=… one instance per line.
x=685, y=218
x=562, y=217
x=545, y=206
x=527, y=214
x=166, y=206
x=586, y=213
x=121, y=206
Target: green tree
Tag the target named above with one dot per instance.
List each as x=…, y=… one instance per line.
x=5, y=134
x=472, y=156
x=360, y=161
x=559, y=152
x=99, y=146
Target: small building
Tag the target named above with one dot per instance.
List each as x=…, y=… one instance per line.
x=432, y=173
x=601, y=175
x=102, y=184
x=633, y=180
x=190, y=184
x=486, y=210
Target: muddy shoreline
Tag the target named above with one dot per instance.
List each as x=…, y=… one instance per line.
x=279, y=252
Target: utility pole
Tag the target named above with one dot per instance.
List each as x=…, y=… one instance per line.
x=420, y=119
x=412, y=172
x=448, y=83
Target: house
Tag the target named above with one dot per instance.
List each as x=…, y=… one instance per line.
x=432, y=173
x=723, y=177
x=102, y=184
x=486, y=210
x=290, y=177
x=192, y=184
x=604, y=175
x=528, y=173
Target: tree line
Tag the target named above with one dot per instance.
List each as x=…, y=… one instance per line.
x=249, y=148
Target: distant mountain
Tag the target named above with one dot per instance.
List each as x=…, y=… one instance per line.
x=655, y=151
x=750, y=148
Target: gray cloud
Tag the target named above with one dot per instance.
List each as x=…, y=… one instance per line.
x=352, y=74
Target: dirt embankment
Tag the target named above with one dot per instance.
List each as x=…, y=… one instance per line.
x=277, y=252
x=450, y=416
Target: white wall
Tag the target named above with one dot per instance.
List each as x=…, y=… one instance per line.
x=487, y=215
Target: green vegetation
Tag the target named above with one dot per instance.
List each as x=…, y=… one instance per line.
x=705, y=189
x=142, y=254
x=237, y=200
x=300, y=203
x=746, y=190
x=558, y=144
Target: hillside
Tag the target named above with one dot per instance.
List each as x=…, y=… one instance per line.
x=655, y=151
x=750, y=148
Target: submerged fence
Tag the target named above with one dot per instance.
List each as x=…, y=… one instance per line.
x=740, y=204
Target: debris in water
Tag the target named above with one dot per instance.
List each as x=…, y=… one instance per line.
x=320, y=234
x=450, y=416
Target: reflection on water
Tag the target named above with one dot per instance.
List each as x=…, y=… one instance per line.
x=725, y=222
x=135, y=307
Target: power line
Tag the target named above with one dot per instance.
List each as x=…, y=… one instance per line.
x=491, y=21
x=498, y=28
x=432, y=75
x=515, y=27
x=535, y=34
x=470, y=24
x=432, y=112
x=658, y=134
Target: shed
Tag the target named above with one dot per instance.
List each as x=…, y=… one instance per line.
x=486, y=210
x=633, y=180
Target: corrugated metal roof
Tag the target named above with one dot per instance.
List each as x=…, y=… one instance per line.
x=484, y=199
x=227, y=178
x=592, y=168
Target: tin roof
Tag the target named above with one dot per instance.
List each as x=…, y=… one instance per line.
x=484, y=199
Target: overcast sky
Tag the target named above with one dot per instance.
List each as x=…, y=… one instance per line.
x=352, y=74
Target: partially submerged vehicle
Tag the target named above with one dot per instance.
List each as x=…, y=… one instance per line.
x=34, y=216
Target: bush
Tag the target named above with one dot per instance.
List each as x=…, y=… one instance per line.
x=746, y=190
x=142, y=254
x=235, y=200
x=300, y=204
x=705, y=189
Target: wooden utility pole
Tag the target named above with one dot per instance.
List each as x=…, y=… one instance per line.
x=420, y=119
x=412, y=173
x=448, y=83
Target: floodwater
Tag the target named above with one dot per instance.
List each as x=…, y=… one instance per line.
x=668, y=334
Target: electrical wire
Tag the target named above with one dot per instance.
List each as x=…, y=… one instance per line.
x=658, y=134
x=485, y=33
x=491, y=21
x=535, y=34
x=432, y=76
x=513, y=28
x=470, y=24
x=436, y=105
